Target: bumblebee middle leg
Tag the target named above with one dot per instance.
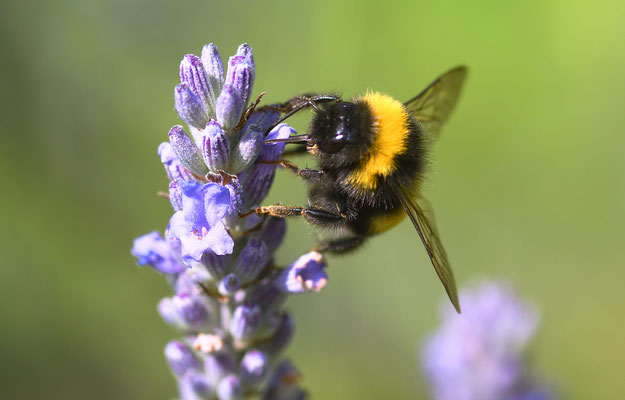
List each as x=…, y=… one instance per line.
x=341, y=246
x=316, y=216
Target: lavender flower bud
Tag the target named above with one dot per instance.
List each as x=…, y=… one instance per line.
x=245, y=50
x=213, y=67
x=175, y=195
x=266, y=295
x=273, y=232
x=190, y=107
x=254, y=367
x=215, y=147
x=217, y=266
x=167, y=311
x=184, y=311
x=283, y=383
x=251, y=260
x=186, y=150
x=230, y=388
x=229, y=107
x=192, y=311
x=192, y=74
x=180, y=358
x=247, y=149
x=217, y=366
x=173, y=166
x=236, y=201
x=281, y=337
x=188, y=281
x=153, y=250
x=229, y=284
x=304, y=275
x=241, y=72
x=194, y=386
x=478, y=355
x=246, y=321
x=256, y=181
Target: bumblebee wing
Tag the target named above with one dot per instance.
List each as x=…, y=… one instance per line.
x=422, y=217
x=434, y=104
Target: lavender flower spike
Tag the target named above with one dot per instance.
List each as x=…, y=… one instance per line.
x=478, y=355
x=228, y=286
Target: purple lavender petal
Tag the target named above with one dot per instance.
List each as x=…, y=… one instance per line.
x=199, y=225
x=175, y=195
x=306, y=274
x=153, y=250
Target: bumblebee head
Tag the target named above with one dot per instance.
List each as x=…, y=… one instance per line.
x=340, y=133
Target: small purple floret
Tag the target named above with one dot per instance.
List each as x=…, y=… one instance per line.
x=153, y=250
x=180, y=358
x=306, y=274
x=199, y=225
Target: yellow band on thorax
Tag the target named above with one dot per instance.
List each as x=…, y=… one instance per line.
x=389, y=140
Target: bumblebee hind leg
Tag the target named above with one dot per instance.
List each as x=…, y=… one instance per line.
x=341, y=246
x=316, y=216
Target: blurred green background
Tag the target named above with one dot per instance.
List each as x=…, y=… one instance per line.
x=528, y=184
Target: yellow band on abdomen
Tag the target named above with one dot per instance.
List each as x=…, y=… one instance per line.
x=390, y=138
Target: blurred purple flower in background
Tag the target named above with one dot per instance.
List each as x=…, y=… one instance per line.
x=227, y=292
x=480, y=354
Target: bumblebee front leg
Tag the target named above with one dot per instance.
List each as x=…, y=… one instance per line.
x=310, y=175
x=313, y=215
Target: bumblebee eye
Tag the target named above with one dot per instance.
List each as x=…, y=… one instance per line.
x=333, y=144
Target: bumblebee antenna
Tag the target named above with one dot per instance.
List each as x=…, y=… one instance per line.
x=299, y=103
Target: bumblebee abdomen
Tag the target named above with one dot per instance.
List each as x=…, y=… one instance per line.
x=391, y=131
x=385, y=221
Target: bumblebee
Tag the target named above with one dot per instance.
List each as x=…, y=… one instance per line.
x=371, y=154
